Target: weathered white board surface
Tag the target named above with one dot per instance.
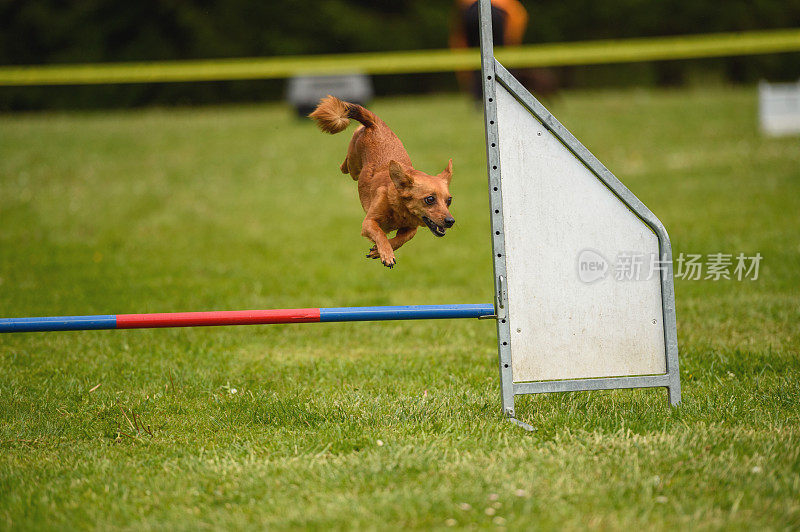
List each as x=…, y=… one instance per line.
x=554, y=208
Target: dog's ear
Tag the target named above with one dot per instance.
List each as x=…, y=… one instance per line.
x=400, y=177
x=447, y=175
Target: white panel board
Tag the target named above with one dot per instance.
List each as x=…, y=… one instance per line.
x=568, y=324
x=779, y=108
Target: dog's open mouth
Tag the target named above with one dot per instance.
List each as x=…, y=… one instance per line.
x=435, y=228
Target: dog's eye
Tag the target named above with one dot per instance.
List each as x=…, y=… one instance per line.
x=449, y=201
x=430, y=200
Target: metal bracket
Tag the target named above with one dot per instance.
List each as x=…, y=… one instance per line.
x=501, y=297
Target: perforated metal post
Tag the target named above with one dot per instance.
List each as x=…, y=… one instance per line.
x=496, y=203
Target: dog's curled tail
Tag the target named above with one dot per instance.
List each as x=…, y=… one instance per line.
x=333, y=115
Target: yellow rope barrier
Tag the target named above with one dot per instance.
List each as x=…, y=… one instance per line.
x=536, y=55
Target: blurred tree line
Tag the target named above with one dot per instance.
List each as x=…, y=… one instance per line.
x=59, y=31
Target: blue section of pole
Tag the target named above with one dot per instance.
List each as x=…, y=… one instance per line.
x=58, y=323
x=410, y=312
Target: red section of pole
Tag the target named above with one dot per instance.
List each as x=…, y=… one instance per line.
x=231, y=317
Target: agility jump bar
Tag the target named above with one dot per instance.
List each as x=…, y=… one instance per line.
x=243, y=317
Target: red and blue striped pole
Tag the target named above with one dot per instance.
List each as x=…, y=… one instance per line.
x=243, y=317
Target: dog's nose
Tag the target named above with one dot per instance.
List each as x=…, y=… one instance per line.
x=449, y=221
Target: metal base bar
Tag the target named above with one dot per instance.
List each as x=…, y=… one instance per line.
x=578, y=385
x=243, y=317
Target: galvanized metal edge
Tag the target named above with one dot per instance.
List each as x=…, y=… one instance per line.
x=672, y=380
x=496, y=205
x=645, y=381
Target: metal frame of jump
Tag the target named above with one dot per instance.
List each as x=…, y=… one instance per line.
x=494, y=74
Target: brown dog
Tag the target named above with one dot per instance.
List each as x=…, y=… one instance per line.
x=394, y=195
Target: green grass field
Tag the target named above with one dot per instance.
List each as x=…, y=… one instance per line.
x=375, y=426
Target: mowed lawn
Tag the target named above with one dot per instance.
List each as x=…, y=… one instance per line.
x=375, y=425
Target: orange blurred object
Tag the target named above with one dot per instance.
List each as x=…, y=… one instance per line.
x=509, y=20
x=514, y=24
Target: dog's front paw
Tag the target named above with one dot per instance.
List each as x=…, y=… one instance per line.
x=373, y=253
x=388, y=259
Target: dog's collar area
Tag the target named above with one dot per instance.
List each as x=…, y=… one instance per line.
x=435, y=228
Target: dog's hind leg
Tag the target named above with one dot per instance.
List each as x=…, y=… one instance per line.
x=352, y=162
